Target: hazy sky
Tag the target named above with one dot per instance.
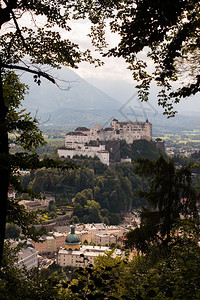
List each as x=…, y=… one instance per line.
x=114, y=78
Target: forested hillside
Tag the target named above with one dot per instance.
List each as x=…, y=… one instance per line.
x=98, y=193
x=139, y=149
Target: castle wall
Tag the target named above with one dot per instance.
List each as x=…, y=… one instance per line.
x=113, y=147
x=86, y=150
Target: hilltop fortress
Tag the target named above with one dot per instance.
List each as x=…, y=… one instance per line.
x=104, y=142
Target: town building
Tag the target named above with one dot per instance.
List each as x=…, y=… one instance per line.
x=105, y=238
x=76, y=255
x=104, y=143
x=60, y=239
x=47, y=198
x=98, y=237
x=47, y=245
x=85, y=235
x=34, y=205
x=41, y=246
x=51, y=243
x=100, y=233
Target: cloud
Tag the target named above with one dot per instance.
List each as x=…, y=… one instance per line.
x=113, y=68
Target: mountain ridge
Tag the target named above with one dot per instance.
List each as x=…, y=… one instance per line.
x=86, y=105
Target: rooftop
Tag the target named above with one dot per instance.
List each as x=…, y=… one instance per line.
x=26, y=252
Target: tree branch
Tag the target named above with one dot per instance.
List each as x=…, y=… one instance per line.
x=19, y=31
x=39, y=73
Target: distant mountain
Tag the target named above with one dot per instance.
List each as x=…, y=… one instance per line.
x=176, y=124
x=85, y=105
x=80, y=96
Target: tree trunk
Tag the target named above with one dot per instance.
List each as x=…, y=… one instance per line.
x=4, y=166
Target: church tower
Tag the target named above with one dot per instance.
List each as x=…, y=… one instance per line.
x=72, y=241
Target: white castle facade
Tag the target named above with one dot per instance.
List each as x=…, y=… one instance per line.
x=92, y=142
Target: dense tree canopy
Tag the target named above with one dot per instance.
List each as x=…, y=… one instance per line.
x=108, y=194
x=170, y=197
x=166, y=32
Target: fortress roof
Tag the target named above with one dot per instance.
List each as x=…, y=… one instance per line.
x=82, y=129
x=76, y=133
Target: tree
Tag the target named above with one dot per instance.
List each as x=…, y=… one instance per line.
x=101, y=281
x=12, y=231
x=52, y=207
x=167, y=273
x=20, y=124
x=27, y=135
x=74, y=220
x=78, y=210
x=83, y=196
x=167, y=34
x=170, y=197
x=93, y=210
